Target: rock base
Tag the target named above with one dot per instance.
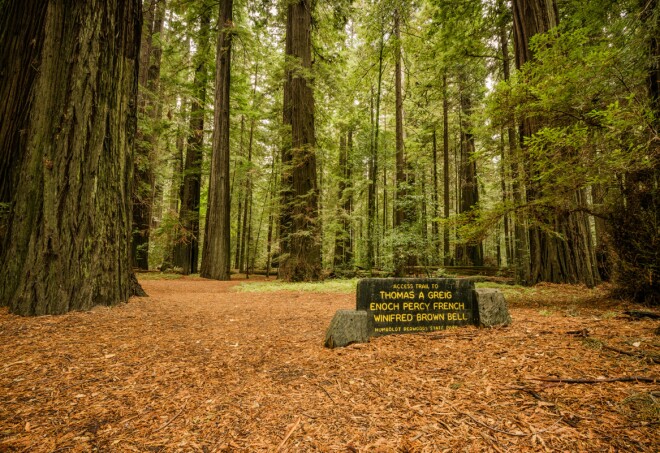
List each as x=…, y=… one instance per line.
x=493, y=310
x=347, y=327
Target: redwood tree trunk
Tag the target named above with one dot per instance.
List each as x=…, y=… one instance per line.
x=348, y=198
x=436, y=203
x=300, y=236
x=372, y=192
x=186, y=251
x=342, y=233
x=518, y=248
x=634, y=228
x=68, y=230
x=401, y=191
x=21, y=42
x=143, y=173
x=216, y=254
x=567, y=258
x=472, y=253
x=445, y=169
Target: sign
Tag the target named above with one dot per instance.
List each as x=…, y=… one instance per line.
x=409, y=305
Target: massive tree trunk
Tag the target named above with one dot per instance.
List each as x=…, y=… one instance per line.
x=68, y=230
x=217, y=254
x=636, y=217
x=566, y=257
x=186, y=250
x=300, y=236
x=21, y=42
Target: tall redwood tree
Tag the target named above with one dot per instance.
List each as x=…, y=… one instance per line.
x=217, y=254
x=186, y=249
x=68, y=80
x=300, y=232
x=565, y=257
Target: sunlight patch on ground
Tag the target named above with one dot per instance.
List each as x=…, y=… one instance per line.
x=328, y=286
x=159, y=276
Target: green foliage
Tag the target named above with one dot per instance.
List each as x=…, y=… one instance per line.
x=636, y=237
x=586, y=89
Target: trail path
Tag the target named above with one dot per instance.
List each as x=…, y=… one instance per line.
x=199, y=366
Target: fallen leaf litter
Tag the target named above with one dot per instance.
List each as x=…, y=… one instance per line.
x=198, y=366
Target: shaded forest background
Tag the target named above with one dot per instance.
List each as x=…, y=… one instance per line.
x=501, y=152
x=314, y=138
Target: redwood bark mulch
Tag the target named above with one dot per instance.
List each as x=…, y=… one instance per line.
x=198, y=366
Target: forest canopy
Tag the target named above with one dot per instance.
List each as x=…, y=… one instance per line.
x=324, y=138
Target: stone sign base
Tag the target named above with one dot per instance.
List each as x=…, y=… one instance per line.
x=492, y=308
x=347, y=327
x=485, y=307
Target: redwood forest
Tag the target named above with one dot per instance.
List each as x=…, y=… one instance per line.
x=189, y=190
x=308, y=140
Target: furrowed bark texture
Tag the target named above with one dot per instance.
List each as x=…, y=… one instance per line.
x=567, y=257
x=216, y=253
x=21, y=41
x=300, y=238
x=635, y=224
x=67, y=245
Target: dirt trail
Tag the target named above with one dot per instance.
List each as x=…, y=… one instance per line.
x=198, y=366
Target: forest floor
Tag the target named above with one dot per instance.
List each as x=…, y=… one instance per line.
x=202, y=365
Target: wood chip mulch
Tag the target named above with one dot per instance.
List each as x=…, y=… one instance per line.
x=198, y=366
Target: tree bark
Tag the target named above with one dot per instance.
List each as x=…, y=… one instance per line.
x=68, y=230
x=519, y=247
x=505, y=199
x=472, y=253
x=435, y=230
x=300, y=236
x=342, y=234
x=271, y=213
x=247, y=213
x=512, y=243
x=348, y=198
x=636, y=216
x=445, y=168
x=401, y=191
x=21, y=24
x=143, y=173
x=217, y=254
x=373, y=165
x=186, y=252
x=565, y=257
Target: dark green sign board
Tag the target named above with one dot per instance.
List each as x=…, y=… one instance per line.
x=408, y=305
